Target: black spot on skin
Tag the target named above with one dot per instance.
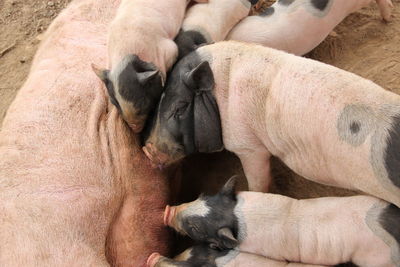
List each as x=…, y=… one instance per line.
x=200, y=256
x=390, y=221
x=267, y=12
x=188, y=41
x=320, y=4
x=221, y=215
x=285, y=2
x=392, y=153
x=253, y=2
x=355, y=127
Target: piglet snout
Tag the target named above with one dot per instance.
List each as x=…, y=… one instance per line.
x=157, y=158
x=153, y=259
x=136, y=127
x=169, y=215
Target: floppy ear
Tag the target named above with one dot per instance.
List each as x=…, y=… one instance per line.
x=152, y=81
x=228, y=240
x=101, y=73
x=229, y=188
x=200, y=78
x=207, y=122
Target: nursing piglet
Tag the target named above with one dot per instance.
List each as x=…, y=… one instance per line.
x=204, y=256
x=210, y=22
x=140, y=52
x=326, y=124
x=299, y=26
x=360, y=229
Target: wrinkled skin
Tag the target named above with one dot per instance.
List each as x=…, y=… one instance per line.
x=299, y=26
x=272, y=103
x=75, y=188
x=204, y=256
x=328, y=231
x=140, y=52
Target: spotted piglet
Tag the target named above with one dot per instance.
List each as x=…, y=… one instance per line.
x=204, y=256
x=206, y=23
x=326, y=124
x=328, y=231
x=298, y=26
x=140, y=52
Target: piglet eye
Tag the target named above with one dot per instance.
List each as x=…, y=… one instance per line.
x=181, y=109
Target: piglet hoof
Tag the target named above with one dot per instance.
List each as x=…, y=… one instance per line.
x=153, y=259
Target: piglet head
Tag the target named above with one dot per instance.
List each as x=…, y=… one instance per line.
x=187, y=119
x=134, y=87
x=199, y=255
x=209, y=219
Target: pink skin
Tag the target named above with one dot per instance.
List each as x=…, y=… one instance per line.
x=316, y=231
x=282, y=94
x=325, y=231
x=151, y=34
x=151, y=26
x=295, y=29
x=242, y=259
x=153, y=259
x=224, y=14
x=71, y=171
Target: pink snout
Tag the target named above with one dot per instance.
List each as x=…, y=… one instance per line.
x=136, y=127
x=158, y=159
x=153, y=259
x=169, y=215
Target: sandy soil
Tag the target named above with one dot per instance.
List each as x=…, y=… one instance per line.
x=362, y=44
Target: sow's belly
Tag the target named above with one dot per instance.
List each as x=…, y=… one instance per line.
x=63, y=139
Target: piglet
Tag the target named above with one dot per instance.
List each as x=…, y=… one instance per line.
x=359, y=229
x=298, y=26
x=210, y=22
x=204, y=256
x=140, y=52
x=326, y=124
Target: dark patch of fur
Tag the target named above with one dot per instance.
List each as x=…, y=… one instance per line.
x=285, y=2
x=201, y=256
x=188, y=113
x=188, y=41
x=320, y=4
x=221, y=214
x=267, y=12
x=390, y=221
x=253, y=2
x=143, y=96
x=355, y=127
x=392, y=155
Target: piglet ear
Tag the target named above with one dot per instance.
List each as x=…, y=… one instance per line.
x=227, y=238
x=152, y=82
x=229, y=188
x=148, y=76
x=101, y=73
x=200, y=78
x=207, y=123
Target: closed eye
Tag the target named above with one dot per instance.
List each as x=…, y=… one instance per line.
x=180, y=110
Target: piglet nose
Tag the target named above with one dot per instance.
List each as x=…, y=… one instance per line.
x=169, y=215
x=136, y=128
x=153, y=259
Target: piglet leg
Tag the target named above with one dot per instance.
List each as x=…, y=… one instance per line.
x=256, y=166
x=385, y=7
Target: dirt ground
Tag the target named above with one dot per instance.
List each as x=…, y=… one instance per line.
x=362, y=44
